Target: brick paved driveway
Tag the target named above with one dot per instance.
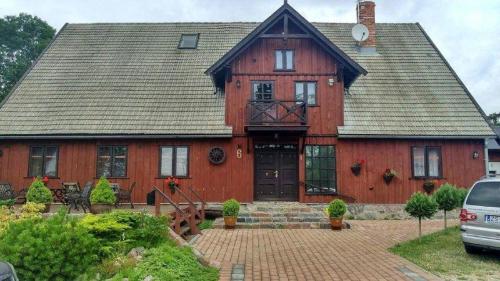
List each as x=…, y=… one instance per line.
x=315, y=254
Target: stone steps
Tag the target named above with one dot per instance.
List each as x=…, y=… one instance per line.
x=278, y=215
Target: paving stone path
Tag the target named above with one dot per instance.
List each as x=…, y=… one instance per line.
x=359, y=253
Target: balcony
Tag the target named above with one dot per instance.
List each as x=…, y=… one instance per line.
x=276, y=115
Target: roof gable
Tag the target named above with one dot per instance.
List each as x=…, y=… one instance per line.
x=289, y=15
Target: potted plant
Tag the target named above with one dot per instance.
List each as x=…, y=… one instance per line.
x=336, y=211
x=102, y=197
x=356, y=167
x=39, y=193
x=230, y=210
x=429, y=185
x=172, y=183
x=388, y=175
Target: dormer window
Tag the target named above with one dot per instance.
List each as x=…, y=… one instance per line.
x=284, y=60
x=188, y=41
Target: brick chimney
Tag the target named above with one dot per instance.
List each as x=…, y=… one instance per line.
x=365, y=11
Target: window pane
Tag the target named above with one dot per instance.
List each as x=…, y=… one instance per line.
x=299, y=91
x=263, y=91
x=188, y=41
x=279, y=59
x=289, y=59
x=485, y=194
x=181, y=159
x=120, y=167
x=51, y=161
x=419, y=161
x=104, y=161
x=311, y=93
x=36, y=161
x=320, y=168
x=166, y=161
x=434, y=161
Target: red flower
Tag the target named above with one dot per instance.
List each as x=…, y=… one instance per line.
x=176, y=181
x=45, y=179
x=363, y=161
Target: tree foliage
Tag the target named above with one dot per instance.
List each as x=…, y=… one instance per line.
x=22, y=40
x=495, y=118
x=447, y=198
x=421, y=206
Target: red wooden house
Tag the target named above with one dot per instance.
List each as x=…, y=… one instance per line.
x=278, y=110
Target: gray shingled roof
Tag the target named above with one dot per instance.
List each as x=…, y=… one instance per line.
x=130, y=79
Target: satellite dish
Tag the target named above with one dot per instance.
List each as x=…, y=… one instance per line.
x=360, y=32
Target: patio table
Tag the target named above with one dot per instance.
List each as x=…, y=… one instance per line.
x=58, y=194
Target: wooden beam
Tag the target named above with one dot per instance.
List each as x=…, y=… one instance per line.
x=285, y=24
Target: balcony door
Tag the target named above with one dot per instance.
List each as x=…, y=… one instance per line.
x=264, y=109
x=276, y=172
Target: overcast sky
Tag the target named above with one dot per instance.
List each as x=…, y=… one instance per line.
x=467, y=32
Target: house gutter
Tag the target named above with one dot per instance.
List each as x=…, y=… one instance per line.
x=411, y=137
x=486, y=158
x=122, y=137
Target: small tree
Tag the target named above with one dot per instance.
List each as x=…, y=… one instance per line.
x=39, y=193
x=420, y=206
x=447, y=199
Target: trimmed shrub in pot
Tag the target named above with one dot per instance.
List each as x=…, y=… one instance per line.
x=230, y=211
x=336, y=210
x=421, y=206
x=102, y=197
x=447, y=199
x=39, y=193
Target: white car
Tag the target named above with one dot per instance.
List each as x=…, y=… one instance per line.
x=480, y=216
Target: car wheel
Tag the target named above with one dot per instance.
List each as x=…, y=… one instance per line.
x=471, y=249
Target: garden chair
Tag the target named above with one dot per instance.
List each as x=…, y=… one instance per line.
x=82, y=199
x=125, y=196
x=71, y=191
x=7, y=193
x=85, y=196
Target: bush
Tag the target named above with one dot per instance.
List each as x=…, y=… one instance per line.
x=31, y=210
x=7, y=202
x=461, y=194
x=39, y=193
x=120, y=231
x=446, y=198
x=102, y=193
x=169, y=262
x=56, y=248
x=421, y=206
x=337, y=208
x=231, y=208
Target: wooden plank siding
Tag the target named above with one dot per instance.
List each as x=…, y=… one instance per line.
x=311, y=64
x=77, y=162
x=234, y=178
x=494, y=155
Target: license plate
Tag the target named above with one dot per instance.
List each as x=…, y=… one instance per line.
x=492, y=219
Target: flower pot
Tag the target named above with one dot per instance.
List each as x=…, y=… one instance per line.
x=230, y=222
x=428, y=187
x=336, y=223
x=47, y=208
x=388, y=178
x=356, y=170
x=100, y=208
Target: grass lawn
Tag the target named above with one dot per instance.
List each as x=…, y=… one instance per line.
x=206, y=224
x=443, y=254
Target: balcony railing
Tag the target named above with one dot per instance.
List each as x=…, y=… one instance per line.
x=277, y=113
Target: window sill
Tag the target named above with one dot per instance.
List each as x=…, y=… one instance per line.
x=427, y=178
x=181, y=178
x=50, y=178
x=322, y=193
x=284, y=70
x=114, y=178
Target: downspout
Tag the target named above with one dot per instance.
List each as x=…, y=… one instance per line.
x=486, y=158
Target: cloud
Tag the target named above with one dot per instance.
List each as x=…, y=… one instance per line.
x=465, y=31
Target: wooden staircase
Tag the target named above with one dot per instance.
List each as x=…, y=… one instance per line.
x=185, y=218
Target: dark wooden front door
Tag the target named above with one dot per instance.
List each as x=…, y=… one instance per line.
x=276, y=172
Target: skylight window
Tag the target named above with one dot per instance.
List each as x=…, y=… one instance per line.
x=188, y=41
